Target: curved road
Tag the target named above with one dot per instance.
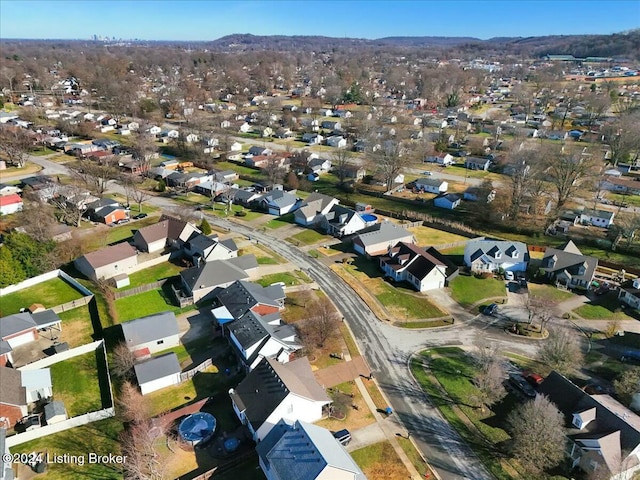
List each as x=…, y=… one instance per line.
x=387, y=350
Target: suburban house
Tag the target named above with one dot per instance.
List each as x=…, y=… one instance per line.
x=624, y=185
x=494, y=255
x=6, y=189
x=603, y=435
x=341, y=221
x=107, y=211
x=22, y=328
x=203, y=248
x=204, y=280
x=37, y=384
x=13, y=396
x=242, y=296
x=108, y=262
x=273, y=391
x=597, y=218
x=312, y=138
x=449, y=201
x=310, y=451
x=567, y=267
x=377, y=239
x=9, y=204
x=444, y=160
x=337, y=141
x=168, y=232
x=153, y=333
x=629, y=293
x=157, y=373
x=423, y=269
x=431, y=185
x=244, y=197
x=475, y=163
x=279, y=202
x=313, y=209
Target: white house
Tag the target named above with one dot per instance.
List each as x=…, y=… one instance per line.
x=423, y=269
x=235, y=147
x=273, y=391
x=37, y=384
x=449, y=201
x=493, y=255
x=154, y=130
x=312, y=138
x=157, y=373
x=630, y=293
x=313, y=209
x=245, y=128
x=10, y=204
x=340, y=221
x=431, y=185
x=108, y=262
x=153, y=333
x=597, y=218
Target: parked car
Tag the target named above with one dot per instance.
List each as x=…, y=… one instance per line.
x=490, y=309
x=121, y=221
x=632, y=356
x=534, y=379
x=427, y=173
x=343, y=436
x=508, y=275
x=596, y=389
x=519, y=383
x=139, y=216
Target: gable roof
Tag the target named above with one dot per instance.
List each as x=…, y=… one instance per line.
x=242, y=296
x=611, y=416
x=486, y=251
x=267, y=385
x=568, y=259
x=16, y=323
x=109, y=255
x=279, y=198
x=381, y=232
x=157, y=367
x=413, y=259
x=606, y=214
x=12, y=391
x=217, y=272
x=150, y=328
x=168, y=227
x=303, y=451
x=11, y=199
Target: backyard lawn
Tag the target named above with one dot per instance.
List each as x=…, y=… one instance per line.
x=262, y=253
x=280, y=222
x=147, y=303
x=606, y=307
x=469, y=290
x=380, y=462
x=285, y=277
x=432, y=236
x=76, y=326
x=76, y=383
x=100, y=437
x=153, y=274
x=50, y=293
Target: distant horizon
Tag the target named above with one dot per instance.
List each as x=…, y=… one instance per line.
x=202, y=21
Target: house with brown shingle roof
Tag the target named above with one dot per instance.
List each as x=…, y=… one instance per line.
x=273, y=391
x=13, y=396
x=604, y=435
x=168, y=232
x=108, y=262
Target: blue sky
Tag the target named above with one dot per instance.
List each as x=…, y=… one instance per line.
x=208, y=20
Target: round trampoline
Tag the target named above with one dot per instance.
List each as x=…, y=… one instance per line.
x=367, y=217
x=197, y=428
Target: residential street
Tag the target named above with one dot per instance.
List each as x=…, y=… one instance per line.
x=388, y=349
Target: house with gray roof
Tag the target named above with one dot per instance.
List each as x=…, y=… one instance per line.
x=153, y=333
x=450, y=201
x=157, y=373
x=108, y=262
x=431, y=185
x=475, y=163
x=279, y=202
x=342, y=221
x=243, y=296
x=313, y=209
x=303, y=451
x=597, y=218
x=630, y=293
x=273, y=391
x=203, y=281
x=377, y=239
x=169, y=232
x=54, y=412
x=203, y=248
x=493, y=255
x=22, y=328
x=567, y=267
x=603, y=435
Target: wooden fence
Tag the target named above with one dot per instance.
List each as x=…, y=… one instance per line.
x=189, y=374
x=72, y=304
x=141, y=289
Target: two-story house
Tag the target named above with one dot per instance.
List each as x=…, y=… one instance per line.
x=567, y=267
x=494, y=255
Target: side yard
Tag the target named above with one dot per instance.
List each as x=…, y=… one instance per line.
x=469, y=290
x=50, y=293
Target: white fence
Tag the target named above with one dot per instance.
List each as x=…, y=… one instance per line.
x=30, y=282
x=149, y=263
x=59, y=357
x=60, y=427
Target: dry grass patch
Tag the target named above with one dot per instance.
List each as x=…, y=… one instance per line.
x=357, y=413
x=433, y=236
x=380, y=462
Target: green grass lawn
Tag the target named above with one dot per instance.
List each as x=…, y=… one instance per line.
x=76, y=326
x=50, y=293
x=469, y=290
x=549, y=293
x=100, y=437
x=186, y=353
x=607, y=308
x=280, y=222
x=287, y=278
x=153, y=274
x=76, y=383
x=633, y=200
x=308, y=237
x=455, y=373
x=403, y=303
x=122, y=232
x=432, y=236
x=147, y=303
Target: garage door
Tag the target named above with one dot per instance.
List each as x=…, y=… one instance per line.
x=21, y=339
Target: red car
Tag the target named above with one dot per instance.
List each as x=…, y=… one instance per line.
x=534, y=379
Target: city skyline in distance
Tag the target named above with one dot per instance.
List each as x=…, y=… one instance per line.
x=205, y=21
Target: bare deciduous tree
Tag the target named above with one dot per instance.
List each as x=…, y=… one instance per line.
x=489, y=377
x=627, y=385
x=122, y=362
x=538, y=435
x=322, y=325
x=341, y=160
x=15, y=144
x=561, y=351
x=567, y=173
x=539, y=309
x=389, y=161
x=274, y=170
